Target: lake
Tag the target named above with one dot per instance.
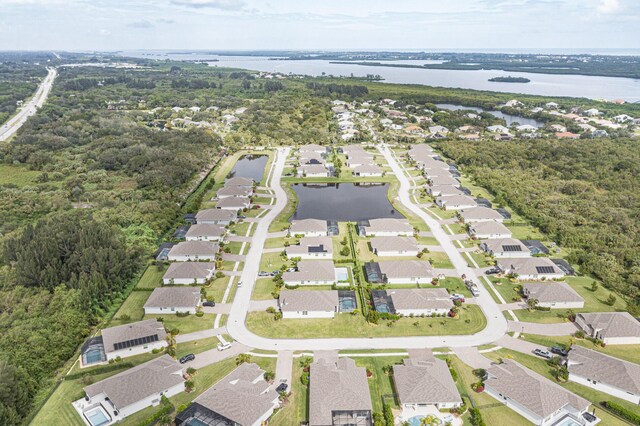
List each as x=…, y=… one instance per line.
x=509, y=118
x=343, y=202
x=250, y=166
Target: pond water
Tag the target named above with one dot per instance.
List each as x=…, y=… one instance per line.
x=510, y=119
x=343, y=202
x=250, y=166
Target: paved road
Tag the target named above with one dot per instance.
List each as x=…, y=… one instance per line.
x=496, y=327
x=30, y=108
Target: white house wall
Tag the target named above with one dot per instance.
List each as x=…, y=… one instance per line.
x=418, y=312
x=184, y=281
x=412, y=253
x=562, y=305
x=169, y=310
x=409, y=280
x=191, y=258
x=603, y=387
x=204, y=238
x=309, y=314
x=152, y=400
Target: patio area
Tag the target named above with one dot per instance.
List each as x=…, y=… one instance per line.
x=414, y=416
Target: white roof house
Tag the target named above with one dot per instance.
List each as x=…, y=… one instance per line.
x=489, y=230
x=443, y=190
x=604, y=373
x=308, y=303
x=553, y=295
x=205, y=232
x=309, y=228
x=193, y=251
x=613, y=328
x=406, y=271
x=480, y=214
x=505, y=247
x=311, y=272
x=456, y=202
x=386, y=227
x=169, y=300
x=533, y=396
x=311, y=248
x=394, y=246
x=438, y=129
x=530, y=268
x=216, y=216
x=187, y=273
x=498, y=129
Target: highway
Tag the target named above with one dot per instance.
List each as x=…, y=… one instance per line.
x=28, y=109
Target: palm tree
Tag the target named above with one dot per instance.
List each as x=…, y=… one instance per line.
x=532, y=303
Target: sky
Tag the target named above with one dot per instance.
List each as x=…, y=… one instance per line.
x=109, y=25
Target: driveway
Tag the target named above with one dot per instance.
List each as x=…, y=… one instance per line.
x=262, y=305
x=559, y=329
x=233, y=257
x=513, y=306
x=284, y=368
x=518, y=345
x=202, y=334
x=214, y=355
x=220, y=308
x=239, y=239
x=472, y=357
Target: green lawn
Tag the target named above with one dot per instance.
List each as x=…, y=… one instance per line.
x=187, y=324
x=627, y=352
x=438, y=259
x=133, y=306
x=347, y=325
x=427, y=241
x=296, y=409
x=278, y=242
x=152, y=277
x=241, y=228
x=457, y=228
x=272, y=261
x=217, y=287
x=506, y=288
x=196, y=346
x=452, y=284
x=380, y=384
x=263, y=288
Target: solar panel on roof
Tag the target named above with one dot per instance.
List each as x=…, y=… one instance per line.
x=135, y=342
x=545, y=269
x=511, y=248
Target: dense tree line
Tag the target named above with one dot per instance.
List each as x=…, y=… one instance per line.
x=328, y=89
x=585, y=194
x=18, y=81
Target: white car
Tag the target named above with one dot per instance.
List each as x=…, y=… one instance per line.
x=224, y=346
x=457, y=296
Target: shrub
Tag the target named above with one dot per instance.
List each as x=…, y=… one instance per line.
x=476, y=417
x=304, y=379
x=199, y=314
x=623, y=412
x=611, y=300
x=579, y=334
x=191, y=371
x=182, y=314
x=271, y=310
x=388, y=414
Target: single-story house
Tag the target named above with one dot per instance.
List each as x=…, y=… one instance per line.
x=309, y=228
x=604, y=373
x=311, y=248
x=358, y=160
x=394, y=246
x=311, y=272
x=480, y=214
x=311, y=158
x=406, y=271
x=530, y=268
x=216, y=216
x=553, y=294
x=533, y=396
x=339, y=393
x=505, y=247
x=444, y=180
x=443, y=190
x=313, y=148
x=205, y=232
x=234, y=203
x=133, y=339
x=498, y=129
x=119, y=396
x=526, y=128
x=187, y=273
x=370, y=170
x=456, y=202
x=239, y=181
x=386, y=227
x=613, y=328
x=308, y=303
x=193, y=251
x=234, y=191
x=419, y=301
x=313, y=170
x=422, y=380
x=169, y=300
x=489, y=230
x=438, y=129
x=242, y=397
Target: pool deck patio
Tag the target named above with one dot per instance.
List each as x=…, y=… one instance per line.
x=411, y=412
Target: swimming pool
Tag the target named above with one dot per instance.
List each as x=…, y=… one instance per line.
x=382, y=307
x=417, y=421
x=347, y=305
x=567, y=421
x=97, y=416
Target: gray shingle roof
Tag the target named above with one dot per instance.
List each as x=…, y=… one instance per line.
x=420, y=298
x=397, y=269
x=425, y=381
x=190, y=270
x=242, y=396
x=500, y=245
x=132, y=331
x=237, y=202
x=311, y=244
x=215, y=215
x=308, y=300
x=181, y=297
x=336, y=386
x=388, y=225
x=528, y=265
x=367, y=168
x=597, y=366
x=552, y=292
x=308, y=225
x=490, y=227
x=480, y=213
x=613, y=324
x=400, y=244
x=531, y=390
x=238, y=181
x=139, y=382
x=205, y=230
x=312, y=270
x=234, y=191
x=194, y=248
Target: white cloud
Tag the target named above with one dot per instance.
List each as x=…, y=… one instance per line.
x=141, y=24
x=609, y=6
x=213, y=4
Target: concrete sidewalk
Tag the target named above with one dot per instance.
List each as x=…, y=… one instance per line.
x=202, y=334
x=518, y=345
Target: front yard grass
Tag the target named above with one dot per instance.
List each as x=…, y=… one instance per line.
x=296, y=410
x=263, y=288
x=196, y=346
x=438, y=259
x=471, y=320
x=216, y=288
x=627, y=352
x=380, y=383
x=272, y=261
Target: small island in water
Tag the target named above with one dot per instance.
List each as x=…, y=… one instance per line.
x=509, y=79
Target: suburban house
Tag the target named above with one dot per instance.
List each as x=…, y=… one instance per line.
x=169, y=300
x=498, y=129
x=234, y=191
x=311, y=158
x=505, y=247
x=339, y=393
x=443, y=190
x=394, y=246
x=308, y=303
x=413, y=301
x=133, y=339
x=189, y=273
x=444, y=180
x=309, y=228
x=239, y=181
x=357, y=160
x=489, y=230
x=186, y=251
x=367, y=170
x=311, y=272
x=423, y=380
x=480, y=214
x=438, y=129
x=530, y=268
x=313, y=148
x=400, y=272
x=311, y=248
x=456, y=202
x=113, y=399
x=613, y=328
x=242, y=397
x=216, y=216
x=385, y=228
x=535, y=397
x=313, y=170
x=205, y=232
x=234, y=203
x=553, y=294
x=604, y=373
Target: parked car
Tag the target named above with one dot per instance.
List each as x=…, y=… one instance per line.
x=241, y=217
x=558, y=350
x=282, y=387
x=457, y=296
x=209, y=303
x=292, y=269
x=263, y=274
x=187, y=358
x=491, y=271
x=224, y=346
x=542, y=354
x=239, y=284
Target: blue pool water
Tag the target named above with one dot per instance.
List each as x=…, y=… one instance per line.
x=382, y=307
x=347, y=305
x=97, y=417
x=416, y=420
x=567, y=421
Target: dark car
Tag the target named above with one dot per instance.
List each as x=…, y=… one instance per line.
x=282, y=387
x=209, y=303
x=492, y=271
x=187, y=358
x=559, y=351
